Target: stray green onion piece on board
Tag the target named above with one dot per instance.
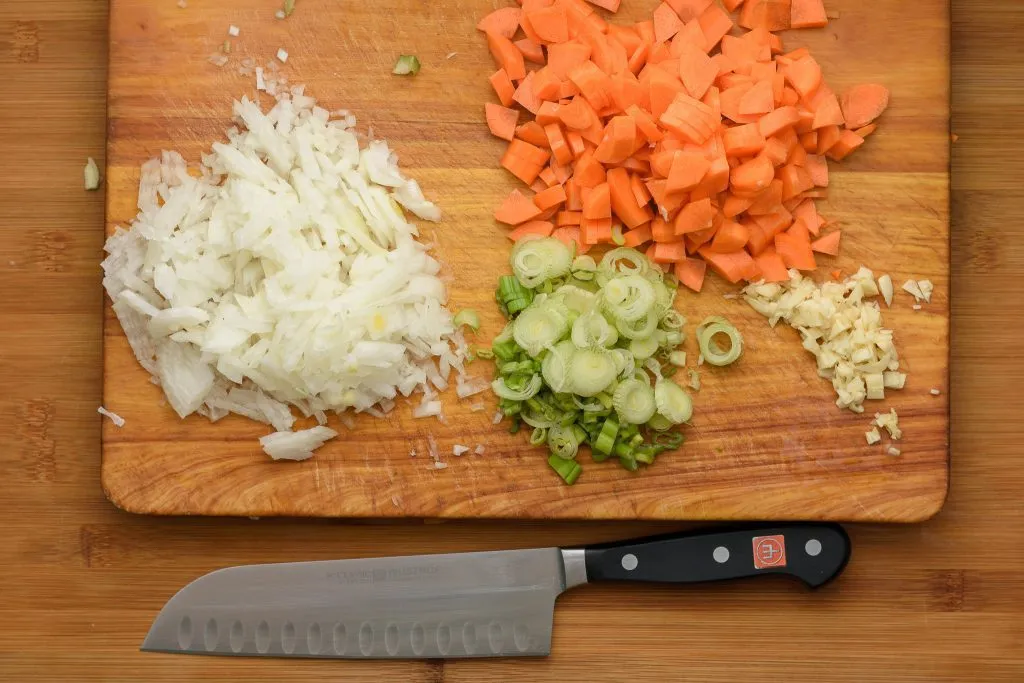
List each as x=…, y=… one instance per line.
x=407, y=65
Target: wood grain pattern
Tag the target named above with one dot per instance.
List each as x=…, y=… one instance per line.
x=766, y=440
x=941, y=602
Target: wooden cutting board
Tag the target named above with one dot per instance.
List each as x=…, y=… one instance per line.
x=766, y=440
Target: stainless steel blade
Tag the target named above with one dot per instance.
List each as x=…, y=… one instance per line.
x=459, y=605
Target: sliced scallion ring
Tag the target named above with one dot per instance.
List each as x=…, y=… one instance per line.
x=539, y=327
x=502, y=390
x=407, y=65
x=593, y=330
x=711, y=349
x=634, y=401
x=673, y=403
x=591, y=371
x=555, y=366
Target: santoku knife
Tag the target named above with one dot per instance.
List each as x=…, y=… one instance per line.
x=484, y=604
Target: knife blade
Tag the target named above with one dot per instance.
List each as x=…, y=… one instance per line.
x=480, y=604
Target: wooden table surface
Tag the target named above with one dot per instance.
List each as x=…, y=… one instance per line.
x=80, y=581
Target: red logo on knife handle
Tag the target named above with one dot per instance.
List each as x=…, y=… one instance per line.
x=769, y=552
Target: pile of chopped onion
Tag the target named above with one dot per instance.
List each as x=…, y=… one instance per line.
x=285, y=275
x=840, y=328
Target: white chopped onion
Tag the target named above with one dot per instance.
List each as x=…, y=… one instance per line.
x=114, y=417
x=926, y=288
x=885, y=287
x=872, y=436
x=233, y=31
x=890, y=422
x=282, y=55
x=282, y=276
x=428, y=409
x=296, y=445
x=935, y=392
x=92, y=175
x=893, y=451
x=479, y=450
x=459, y=450
x=914, y=289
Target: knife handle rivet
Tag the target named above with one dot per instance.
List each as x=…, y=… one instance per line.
x=629, y=562
x=813, y=547
x=721, y=554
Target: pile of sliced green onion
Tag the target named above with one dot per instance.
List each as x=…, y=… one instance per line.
x=587, y=354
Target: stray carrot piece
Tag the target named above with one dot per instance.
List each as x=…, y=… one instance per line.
x=768, y=201
x=867, y=130
x=645, y=123
x=731, y=5
x=697, y=71
x=758, y=99
x=694, y=216
x=551, y=24
x=594, y=84
x=662, y=230
x=623, y=202
x=743, y=141
x=637, y=236
x=531, y=154
x=525, y=95
x=552, y=196
x=566, y=56
x=775, y=150
x=829, y=244
x=548, y=177
x=576, y=144
x=640, y=193
x=596, y=230
x=828, y=113
x=538, y=228
x=618, y=141
x=667, y=252
x=773, y=268
x=597, y=203
x=836, y=274
x=503, y=87
x=773, y=122
x=546, y=85
x=752, y=176
x=757, y=240
x=804, y=75
x=771, y=15
x=516, y=209
x=688, y=10
x=848, y=141
x=501, y=120
x=556, y=141
x=610, y=5
x=774, y=223
x=570, y=236
x=666, y=23
x=548, y=113
x=795, y=180
x=687, y=171
x=809, y=141
x=817, y=167
x=577, y=115
x=502, y=22
x=589, y=172
x=733, y=266
x=715, y=23
x=507, y=56
x=795, y=252
x=532, y=132
x=807, y=14
x=827, y=137
x=563, y=218
x=531, y=51
x=734, y=205
x=731, y=236
x=862, y=104
x=690, y=273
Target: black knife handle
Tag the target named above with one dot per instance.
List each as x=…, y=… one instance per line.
x=813, y=553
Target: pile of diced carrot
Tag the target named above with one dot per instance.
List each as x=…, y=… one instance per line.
x=675, y=133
